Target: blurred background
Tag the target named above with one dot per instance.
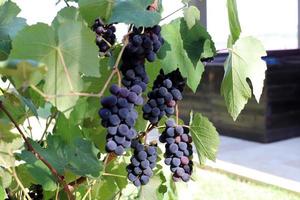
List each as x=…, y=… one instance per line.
x=259, y=156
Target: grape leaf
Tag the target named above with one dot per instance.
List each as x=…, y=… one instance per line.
x=205, y=137
x=106, y=189
x=5, y=132
x=7, y=158
x=234, y=23
x=35, y=172
x=118, y=169
x=92, y=9
x=66, y=129
x=14, y=105
x=67, y=14
x=23, y=72
x=79, y=157
x=184, y=49
x=134, y=12
x=5, y=178
x=191, y=16
x=244, y=61
x=9, y=26
x=60, y=50
x=2, y=192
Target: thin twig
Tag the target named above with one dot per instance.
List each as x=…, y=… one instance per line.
x=53, y=116
x=107, y=83
x=37, y=155
x=29, y=126
x=14, y=174
x=115, y=175
x=172, y=13
x=89, y=190
x=116, y=66
x=66, y=2
x=177, y=113
x=57, y=192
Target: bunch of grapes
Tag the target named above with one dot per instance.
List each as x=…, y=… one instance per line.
x=166, y=91
x=143, y=44
x=36, y=192
x=105, y=36
x=142, y=163
x=179, y=150
x=134, y=74
x=119, y=116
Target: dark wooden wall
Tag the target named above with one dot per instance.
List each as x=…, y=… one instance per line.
x=276, y=117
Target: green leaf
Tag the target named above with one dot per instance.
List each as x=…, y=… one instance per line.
x=234, y=23
x=66, y=129
x=205, y=137
x=2, y=192
x=79, y=157
x=5, y=132
x=119, y=170
x=5, y=178
x=7, y=149
x=14, y=105
x=67, y=14
x=134, y=12
x=9, y=26
x=23, y=72
x=71, y=46
x=105, y=189
x=35, y=172
x=191, y=16
x=184, y=48
x=151, y=189
x=92, y=9
x=244, y=61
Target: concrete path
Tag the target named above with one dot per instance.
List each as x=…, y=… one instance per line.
x=275, y=163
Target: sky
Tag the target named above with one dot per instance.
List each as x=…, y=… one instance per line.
x=274, y=22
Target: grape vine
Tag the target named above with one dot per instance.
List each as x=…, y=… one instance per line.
x=126, y=55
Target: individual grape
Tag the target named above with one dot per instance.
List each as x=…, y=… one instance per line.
x=111, y=146
x=118, y=116
x=179, y=152
x=105, y=36
x=142, y=163
x=165, y=93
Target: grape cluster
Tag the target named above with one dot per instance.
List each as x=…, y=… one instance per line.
x=36, y=192
x=119, y=116
x=143, y=45
x=105, y=36
x=142, y=163
x=166, y=91
x=179, y=150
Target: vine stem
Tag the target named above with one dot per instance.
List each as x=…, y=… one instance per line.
x=37, y=155
x=53, y=116
x=172, y=13
x=177, y=113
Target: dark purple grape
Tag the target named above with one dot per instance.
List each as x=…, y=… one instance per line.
x=165, y=92
x=118, y=116
x=111, y=146
x=105, y=36
x=142, y=163
x=179, y=151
